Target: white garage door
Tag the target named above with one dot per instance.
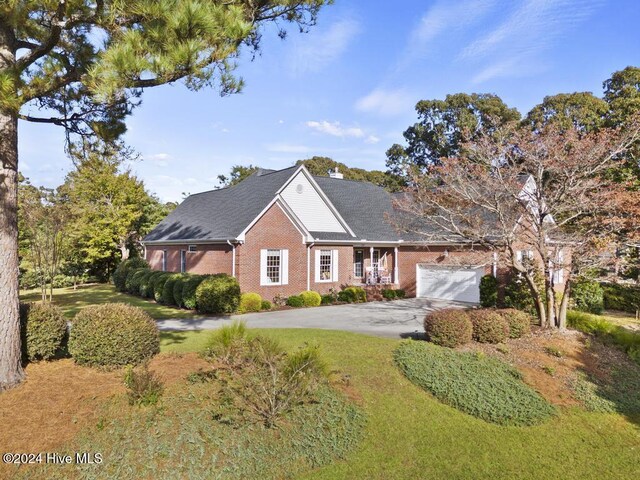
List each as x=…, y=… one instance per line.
x=449, y=283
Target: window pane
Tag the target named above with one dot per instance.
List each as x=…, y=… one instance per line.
x=325, y=264
x=357, y=264
x=273, y=265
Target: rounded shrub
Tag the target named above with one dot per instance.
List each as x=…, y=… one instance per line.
x=167, y=290
x=158, y=286
x=295, y=301
x=151, y=285
x=134, y=278
x=189, y=287
x=488, y=291
x=144, y=283
x=488, y=326
x=311, y=298
x=327, y=299
x=113, y=334
x=43, y=330
x=250, y=302
x=122, y=271
x=353, y=295
x=266, y=305
x=218, y=293
x=389, y=294
x=448, y=328
x=400, y=293
x=588, y=296
x=177, y=290
x=519, y=322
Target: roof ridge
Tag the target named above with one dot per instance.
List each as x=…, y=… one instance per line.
x=347, y=180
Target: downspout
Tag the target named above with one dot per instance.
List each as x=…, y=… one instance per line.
x=233, y=258
x=395, y=266
x=494, y=270
x=309, y=265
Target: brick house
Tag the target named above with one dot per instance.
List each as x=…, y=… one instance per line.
x=282, y=232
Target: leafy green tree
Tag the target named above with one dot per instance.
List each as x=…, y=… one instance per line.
x=440, y=129
x=111, y=210
x=622, y=93
x=582, y=111
x=321, y=166
x=85, y=63
x=237, y=174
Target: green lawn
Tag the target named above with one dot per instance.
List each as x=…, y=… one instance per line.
x=623, y=319
x=411, y=435
x=72, y=301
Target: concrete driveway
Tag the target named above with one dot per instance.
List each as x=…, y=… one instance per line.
x=395, y=319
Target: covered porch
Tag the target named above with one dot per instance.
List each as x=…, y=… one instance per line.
x=375, y=265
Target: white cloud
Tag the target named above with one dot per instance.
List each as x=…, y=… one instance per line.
x=386, y=102
x=336, y=129
x=372, y=139
x=514, y=46
x=287, y=148
x=319, y=48
x=159, y=159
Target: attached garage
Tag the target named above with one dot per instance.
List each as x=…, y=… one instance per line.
x=461, y=284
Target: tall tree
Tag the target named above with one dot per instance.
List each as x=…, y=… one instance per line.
x=321, y=166
x=111, y=209
x=439, y=130
x=581, y=111
x=45, y=219
x=534, y=190
x=86, y=63
x=236, y=175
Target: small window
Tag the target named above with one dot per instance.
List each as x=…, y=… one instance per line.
x=358, y=262
x=164, y=260
x=274, y=262
x=325, y=265
x=192, y=248
x=183, y=261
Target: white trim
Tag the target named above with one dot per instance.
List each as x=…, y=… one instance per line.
x=187, y=241
x=396, y=278
x=309, y=247
x=333, y=267
x=479, y=275
x=289, y=214
x=320, y=192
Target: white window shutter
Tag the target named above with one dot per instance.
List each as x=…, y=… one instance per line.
x=263, y=268
x=530, y=254
x=316, y=270
x=519, y=255
x=284, y=266
x=334, y=265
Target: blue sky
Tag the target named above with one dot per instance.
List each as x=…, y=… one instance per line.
x=348, y=88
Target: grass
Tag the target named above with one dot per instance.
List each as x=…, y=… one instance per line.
x=72, y=301
x=410, y=434
x=611, y=333
x=481, y=386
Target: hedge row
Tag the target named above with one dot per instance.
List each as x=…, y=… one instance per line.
x=218, y=294
x=453, y=327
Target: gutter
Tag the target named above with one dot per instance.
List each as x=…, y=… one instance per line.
x=189, y=241
x=309, y=265
x=233, y=258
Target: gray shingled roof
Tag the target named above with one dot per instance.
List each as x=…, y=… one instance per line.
x=221, y=214
x=364, y=206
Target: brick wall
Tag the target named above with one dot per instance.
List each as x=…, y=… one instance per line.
x=207, y=259
x=273, y=230
x=345, y=268
x=410, y=256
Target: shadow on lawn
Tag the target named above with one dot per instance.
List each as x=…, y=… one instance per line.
x=173, y=337
x=609, y=381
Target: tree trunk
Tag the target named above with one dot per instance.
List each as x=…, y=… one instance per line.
x=537, y=299
x=11, y=372
x=551, y=301
x=124, y=251
x=564, y=306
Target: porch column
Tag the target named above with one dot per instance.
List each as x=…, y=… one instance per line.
x=371, y=265
x=396, y=280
